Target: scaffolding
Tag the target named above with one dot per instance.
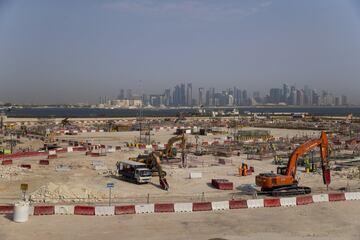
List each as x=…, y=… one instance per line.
x=144, y=129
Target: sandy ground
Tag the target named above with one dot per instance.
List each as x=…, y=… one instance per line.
x=336, y=220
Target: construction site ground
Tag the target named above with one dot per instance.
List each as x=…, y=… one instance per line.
x=330, y=221
x=71, y=177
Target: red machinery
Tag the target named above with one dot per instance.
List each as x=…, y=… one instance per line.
x=284, y=182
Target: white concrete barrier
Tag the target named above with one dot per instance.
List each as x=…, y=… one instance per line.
x=70, y=149
x=183, y=207
x=64, y=209
x=288, y=202
x=320, y=198
x=352, y=195
x=222, y=205
x=144, y=208
x=194, y=175
x=31, y=210
x=110, y=149
x=104, y=210
x=255, y=203
x=52, y=152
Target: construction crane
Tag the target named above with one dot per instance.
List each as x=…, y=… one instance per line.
x=284, y=183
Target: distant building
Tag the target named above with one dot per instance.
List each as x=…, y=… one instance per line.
x=121, y=95
x=344, y=100
x=167, y=97
x=299, y=97
x=189, y=94
x=201, y=97
x=126, y=103
x=285, y=93
x=156, y=100
x=275, y=95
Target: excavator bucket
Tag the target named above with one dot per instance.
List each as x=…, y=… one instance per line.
x=326, y=175
x=164, y=184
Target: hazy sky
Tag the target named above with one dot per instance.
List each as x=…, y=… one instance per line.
x=63, y=51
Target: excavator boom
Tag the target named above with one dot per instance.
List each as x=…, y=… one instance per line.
x=169, y=151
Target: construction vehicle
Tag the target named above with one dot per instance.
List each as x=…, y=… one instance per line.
x=283, y=182
x=65, y=122
x=152, y=161
x=134, y=171
x=169, y=151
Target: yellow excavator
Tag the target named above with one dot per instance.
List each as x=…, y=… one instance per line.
x=169, y=151
x=153, y=160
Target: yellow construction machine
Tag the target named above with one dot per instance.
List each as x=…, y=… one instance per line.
x=169, y=151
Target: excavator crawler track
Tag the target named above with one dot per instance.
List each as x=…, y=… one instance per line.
x=286, y=191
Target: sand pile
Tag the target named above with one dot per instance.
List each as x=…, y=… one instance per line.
x=52, y=193
x=10, y=173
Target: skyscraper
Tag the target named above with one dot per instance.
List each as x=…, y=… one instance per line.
x=244, y=100
x=189, y=94
x=176, y=95
x=344, y=100
x=275, y=95
x=167, y=97
x=182, y=95
x=121, y=94
x=286, y=93
x=201, y=97
x=292, y=98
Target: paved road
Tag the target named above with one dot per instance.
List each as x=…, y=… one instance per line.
x=337, y=220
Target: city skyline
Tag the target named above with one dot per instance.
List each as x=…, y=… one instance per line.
x=181, y=95
x=55, y=52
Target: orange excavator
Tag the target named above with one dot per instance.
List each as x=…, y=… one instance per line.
x=284, y=183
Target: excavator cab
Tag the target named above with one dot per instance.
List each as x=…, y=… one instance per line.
x=281, y=170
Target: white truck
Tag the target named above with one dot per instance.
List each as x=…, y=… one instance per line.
x=134, y=171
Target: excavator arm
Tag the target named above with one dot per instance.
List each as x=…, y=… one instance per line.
x=323, y=143
x=154, y=157
x=168, y=151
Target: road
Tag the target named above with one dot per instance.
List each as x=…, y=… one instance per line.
x=335, y=220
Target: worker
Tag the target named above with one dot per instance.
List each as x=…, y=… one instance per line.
x=307, y=164
x=244, y=169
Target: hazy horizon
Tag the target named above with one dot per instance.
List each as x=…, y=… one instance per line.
x=76, y=51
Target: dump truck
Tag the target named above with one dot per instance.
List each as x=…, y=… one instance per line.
x=133, y=171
